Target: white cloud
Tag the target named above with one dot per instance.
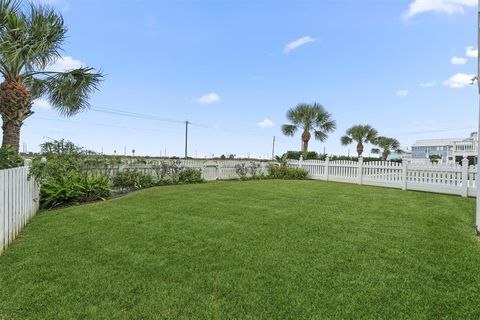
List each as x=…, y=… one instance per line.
x=471, y=52
x=428, y=84
x=297, y=43
x=208, y=98
x=266, y=123
x=65, y=63
x=459, y=80
x=402, y=93
x=458, y=60
x=42, y=103
x=438, y=6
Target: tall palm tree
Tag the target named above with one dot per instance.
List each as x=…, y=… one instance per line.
x=360, y=134
x=309, y=118
x=386, y=146
x=31, y=40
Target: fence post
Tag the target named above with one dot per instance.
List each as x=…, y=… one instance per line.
x=404, y=174
x=360, y=170
x=464, y=177
x=327, y=162
x=300, y=162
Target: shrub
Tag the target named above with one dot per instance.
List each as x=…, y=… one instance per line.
x=242, y=170
x=132, y=180
x=248, y=171
x=73, y=188
x=9, y=158
x=295, y=155
x=190, y=175
x=288, y=173
x=168, y=170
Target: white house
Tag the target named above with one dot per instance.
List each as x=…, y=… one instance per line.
x=449, y=150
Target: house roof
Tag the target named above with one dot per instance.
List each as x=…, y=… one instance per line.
x=436, y=142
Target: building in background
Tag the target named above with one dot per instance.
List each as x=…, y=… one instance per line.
x=403, y=154
x=446, y=151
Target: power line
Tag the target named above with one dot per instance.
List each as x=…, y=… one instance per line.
x=145, y=116
x=106, y=125
x=433, y=131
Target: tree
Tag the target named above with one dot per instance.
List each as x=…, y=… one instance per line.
x=386, y=146
x=360, y=134
x=310, y=118
x=31, y=40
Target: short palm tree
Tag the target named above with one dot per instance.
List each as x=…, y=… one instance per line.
x=309, y=118
x=386, y=146
x=360, y=134
x=30, y=42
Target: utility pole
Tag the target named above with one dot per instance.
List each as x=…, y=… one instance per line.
x=186, y=138
x=477, y=220
x=273, y=148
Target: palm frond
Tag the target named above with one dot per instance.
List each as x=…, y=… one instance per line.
x=346, y=140
x=68, y=92
x=289, y=129
x=29, y=41
x=320, y=135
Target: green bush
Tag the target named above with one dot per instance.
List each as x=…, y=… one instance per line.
x=9, y=158
x=132, y=180
x=287, y=173
x=73, y=188
x=249, y=171
x=190, y=175
x=295, y=155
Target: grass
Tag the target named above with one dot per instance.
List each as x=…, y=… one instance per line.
x=249, y=250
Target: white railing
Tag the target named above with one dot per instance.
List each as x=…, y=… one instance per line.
x=464, y=147
x=442, y=178
x=18, y=202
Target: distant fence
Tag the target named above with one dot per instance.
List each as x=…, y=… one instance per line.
x=458, y=179
x=211, y=169
x=18, y=202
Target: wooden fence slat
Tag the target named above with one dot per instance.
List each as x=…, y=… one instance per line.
x=17, y=203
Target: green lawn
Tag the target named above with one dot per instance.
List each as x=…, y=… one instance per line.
x=249, y=250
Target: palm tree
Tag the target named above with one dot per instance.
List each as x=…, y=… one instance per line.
x=30, y=43
x=360, y=134
x=309, y=118
x=386, y=146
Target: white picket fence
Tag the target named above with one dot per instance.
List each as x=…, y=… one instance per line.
x=458, y=179
x=211, y=169
x=18, y=202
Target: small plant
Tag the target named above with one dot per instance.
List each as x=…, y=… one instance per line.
x=241, y=170
x=254, y=170
x=174, y=170
x=73, y=188
x=435, y=158
x=286, y=173
x=9, y=158
x=190, y=175
x=132, y=180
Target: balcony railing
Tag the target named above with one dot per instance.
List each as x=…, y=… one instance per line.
x=464, y=147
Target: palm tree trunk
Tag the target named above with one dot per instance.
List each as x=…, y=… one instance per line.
x=385, y=155
x=15, y=105
x=305, y=138
x=305, y=148
x=360, y=149
x=11, y=134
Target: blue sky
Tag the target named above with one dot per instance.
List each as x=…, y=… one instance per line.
x=235, y=67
